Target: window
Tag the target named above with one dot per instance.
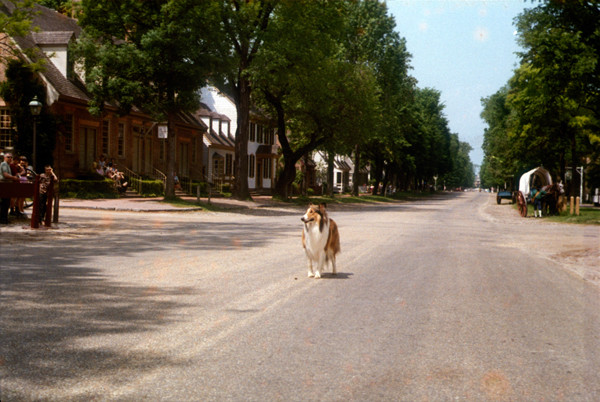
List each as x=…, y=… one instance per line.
x=259, y=134
x=252, y=128
x=5, y=129
x=267, y=167
x=218, y=166
x=251, y=165
x=68, y=133
x=121, y=140
x=105, y=136
x=194, y=150
x=228, y=164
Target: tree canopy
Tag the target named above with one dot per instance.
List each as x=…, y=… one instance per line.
x=548, y=112
x=147, y=54
x=331, y=75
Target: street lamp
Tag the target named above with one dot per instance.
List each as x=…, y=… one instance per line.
x=36, y=108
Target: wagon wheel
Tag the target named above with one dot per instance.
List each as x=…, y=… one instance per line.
x=522, y=204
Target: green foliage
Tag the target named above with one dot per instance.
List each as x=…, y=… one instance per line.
x=15, y=21
x=149, y=188
x=65, y=7
x=87, y=189
x=148, y=54
x=548, y=113
x=18, y=90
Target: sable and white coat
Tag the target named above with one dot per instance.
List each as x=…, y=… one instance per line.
x=320, y=239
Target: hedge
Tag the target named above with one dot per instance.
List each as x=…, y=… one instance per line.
x=87, y=189
x=149, y=188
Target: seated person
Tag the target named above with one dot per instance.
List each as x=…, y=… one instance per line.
x=118, y=177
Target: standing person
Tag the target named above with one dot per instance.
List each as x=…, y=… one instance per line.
x=6, y=175
x=20, y=203
x=536, y=196
x=18, y=171
x=46, y=179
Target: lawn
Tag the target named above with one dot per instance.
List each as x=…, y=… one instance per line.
x=587, y=215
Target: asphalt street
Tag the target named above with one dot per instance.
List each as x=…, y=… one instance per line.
x=435, y=300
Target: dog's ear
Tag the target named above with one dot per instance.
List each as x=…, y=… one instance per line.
x=322, y=207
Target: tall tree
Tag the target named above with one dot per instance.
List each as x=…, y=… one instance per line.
x=430, y=145
x=560, y=75
x=238, y=28
x=318, y=99
x=498, y=166
x=373, y=41
x=148, y=54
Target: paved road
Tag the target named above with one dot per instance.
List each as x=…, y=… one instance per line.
x=435, y=300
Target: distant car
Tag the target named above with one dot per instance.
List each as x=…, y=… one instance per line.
x=507, y=195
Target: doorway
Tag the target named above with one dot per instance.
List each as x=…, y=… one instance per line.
x=87, y=147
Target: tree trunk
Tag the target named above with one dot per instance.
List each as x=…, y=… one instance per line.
x=378, y=174
x=286, y=178
x=304, y=184
x=356, y=174
x=330, y=167
x=240, y=187
x=171, y=155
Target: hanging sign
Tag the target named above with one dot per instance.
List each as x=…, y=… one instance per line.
x=163, y=131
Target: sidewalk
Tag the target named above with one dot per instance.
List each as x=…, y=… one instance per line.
x=156, y=204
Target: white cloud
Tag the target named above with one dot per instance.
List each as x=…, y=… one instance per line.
x=423, y=26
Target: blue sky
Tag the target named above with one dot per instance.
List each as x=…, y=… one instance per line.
x=463, y=48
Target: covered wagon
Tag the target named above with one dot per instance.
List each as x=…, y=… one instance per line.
x=538, y=177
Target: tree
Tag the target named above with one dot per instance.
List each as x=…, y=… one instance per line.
x=65, y=7
x=373, y=42
x=238, y=29
x=462, y=174
x=430, y=138
x=498, y=166
x=15, y=21
x=318, y=98
x=18, y=90
x=554, y=93
x=149, y=54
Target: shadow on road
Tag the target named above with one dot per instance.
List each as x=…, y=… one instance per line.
x=46, y=309
x=57, y=313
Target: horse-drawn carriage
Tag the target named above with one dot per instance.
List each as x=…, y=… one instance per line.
x=539, y=178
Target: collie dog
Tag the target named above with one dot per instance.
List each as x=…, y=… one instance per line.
x=320, y=239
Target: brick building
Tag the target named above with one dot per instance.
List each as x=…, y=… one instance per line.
x=130, y=141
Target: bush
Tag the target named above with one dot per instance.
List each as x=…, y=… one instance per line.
x=150, y=188
x=87, y=189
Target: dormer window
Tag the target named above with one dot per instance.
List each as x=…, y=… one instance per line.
x=55, y=45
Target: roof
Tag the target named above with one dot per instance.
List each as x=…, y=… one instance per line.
x=53, y=29
x=266, y=150
x=538, y=174
x=52, y=38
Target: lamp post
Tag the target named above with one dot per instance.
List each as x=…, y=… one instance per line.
x=35, y=106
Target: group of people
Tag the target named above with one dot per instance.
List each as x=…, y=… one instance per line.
x=109, y=169
x=17, y=170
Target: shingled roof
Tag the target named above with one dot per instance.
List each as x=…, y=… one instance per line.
x=52, y=28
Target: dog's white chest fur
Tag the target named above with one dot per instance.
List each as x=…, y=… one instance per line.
x=315, y=240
